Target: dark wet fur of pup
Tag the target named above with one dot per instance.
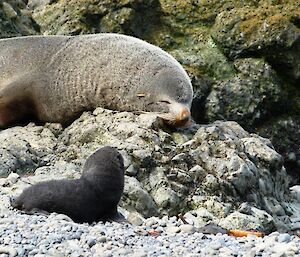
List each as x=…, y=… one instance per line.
x=92, y=197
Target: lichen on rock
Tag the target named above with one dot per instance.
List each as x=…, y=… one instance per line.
x=93, y=16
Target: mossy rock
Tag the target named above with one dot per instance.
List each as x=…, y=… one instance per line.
x=15, y=20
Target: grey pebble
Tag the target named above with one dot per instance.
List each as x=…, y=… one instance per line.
x=29, y=247
x=284, y=238
x=8, y=250
x=139, y=253
x=12, y=178
x=186, y=228
x=91, y=241
x=21, y=251
x=34, y=235
x=33, y=252
x=102, y=239
x=172, y=230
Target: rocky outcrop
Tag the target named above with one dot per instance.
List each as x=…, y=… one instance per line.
x=93, y=16
x=249, y=97
x=285, y=135
x=243, y=57
x=271, y=31
x=219, y=167
x=15, y=20
x=28, y=150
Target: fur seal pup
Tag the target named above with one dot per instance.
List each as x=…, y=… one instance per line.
x=92, y=197
x=56, y=78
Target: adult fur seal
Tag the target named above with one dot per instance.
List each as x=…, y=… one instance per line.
x=56, y=78
x=92, y=197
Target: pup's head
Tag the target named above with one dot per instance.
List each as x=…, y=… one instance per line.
x=104, y=169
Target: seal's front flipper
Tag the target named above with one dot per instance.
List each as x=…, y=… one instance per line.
x=16, y=104
x=17, y=204
x=37, y=211
x=118, y=217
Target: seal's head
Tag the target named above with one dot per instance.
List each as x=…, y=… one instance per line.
x=170, y=95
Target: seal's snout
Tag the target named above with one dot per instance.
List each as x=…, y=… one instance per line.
x=178, y=117
x=183, y=114
x=183, y=117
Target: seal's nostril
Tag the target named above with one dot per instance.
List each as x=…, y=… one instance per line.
x=185, y=114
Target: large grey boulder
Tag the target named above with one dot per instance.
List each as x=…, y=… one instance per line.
x=219, y=167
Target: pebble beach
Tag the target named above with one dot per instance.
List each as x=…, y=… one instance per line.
x=57, y=235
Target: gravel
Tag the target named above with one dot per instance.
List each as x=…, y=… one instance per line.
x=56, y=235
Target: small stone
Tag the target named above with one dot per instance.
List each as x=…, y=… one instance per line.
x=21, y=251
x=173, y=219
x=131, y=171
x=187, y=228
x=179, y=157
x=139, y=253
x=172, y=230
x=54, y=252
x=29, y=247
x=284, y=238
x=6, y=240
x=33, y=252
x=135, y=218
x=250, y=253
x=12, y=178
x=63, y=217
x=91, y=241
x=151, y=222
x=8, y=250
x=162, y=223
x=102, y=239
x=140, y=231
x=292, y=157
